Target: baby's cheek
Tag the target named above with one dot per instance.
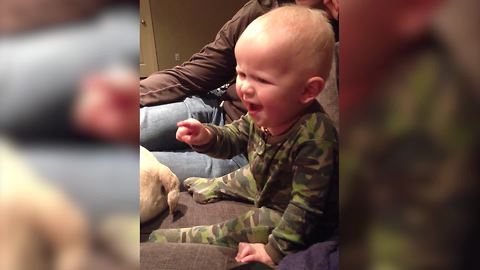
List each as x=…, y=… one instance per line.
x=276, y=108
x=238, y=85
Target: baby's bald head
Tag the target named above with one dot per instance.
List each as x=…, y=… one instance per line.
x=304, y=36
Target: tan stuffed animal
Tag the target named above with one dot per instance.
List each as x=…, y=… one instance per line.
x=159, y=186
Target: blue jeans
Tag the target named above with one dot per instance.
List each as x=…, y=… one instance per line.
x=158, y=125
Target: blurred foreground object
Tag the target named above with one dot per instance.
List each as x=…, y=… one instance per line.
x=410, y=138
x=27, y=15
x=107, y=105
x=42, y=70
x=47, y=48
x=39, y=227
x=118, y=235
x=41, y=224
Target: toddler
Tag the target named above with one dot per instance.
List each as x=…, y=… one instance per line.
x=283, y=60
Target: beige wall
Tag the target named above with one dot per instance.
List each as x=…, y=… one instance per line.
x=183, y=27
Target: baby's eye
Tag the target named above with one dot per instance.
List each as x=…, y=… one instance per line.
x=240, y=74
x=262, y=80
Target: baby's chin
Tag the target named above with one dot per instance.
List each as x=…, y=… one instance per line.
x=259, y=121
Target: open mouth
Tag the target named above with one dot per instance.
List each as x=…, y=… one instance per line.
x=253, y=108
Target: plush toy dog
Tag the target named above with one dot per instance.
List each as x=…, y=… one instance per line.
x=159, y=186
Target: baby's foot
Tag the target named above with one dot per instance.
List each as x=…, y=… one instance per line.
x=204, y=190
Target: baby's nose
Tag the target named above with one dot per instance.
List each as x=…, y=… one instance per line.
x=247, y=89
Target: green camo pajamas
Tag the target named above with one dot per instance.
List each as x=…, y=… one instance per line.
x=292, y=179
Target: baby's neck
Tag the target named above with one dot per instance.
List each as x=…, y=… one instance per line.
x=280, y=130
x=284, y=128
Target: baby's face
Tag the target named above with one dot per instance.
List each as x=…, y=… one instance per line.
x=268, y=83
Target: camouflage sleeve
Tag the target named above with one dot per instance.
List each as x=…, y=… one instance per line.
x=229, y=140
x=314, y=170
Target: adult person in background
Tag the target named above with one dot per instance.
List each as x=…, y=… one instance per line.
x=185, y=91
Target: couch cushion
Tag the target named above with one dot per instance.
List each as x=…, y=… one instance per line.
x=186, y=256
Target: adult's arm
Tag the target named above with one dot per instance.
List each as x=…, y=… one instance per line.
x=208, y=69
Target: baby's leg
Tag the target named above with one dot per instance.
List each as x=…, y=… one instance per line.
x=238, y=184
x=254, y=227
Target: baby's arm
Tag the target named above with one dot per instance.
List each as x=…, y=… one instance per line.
x=192, y=132
x=221, y=142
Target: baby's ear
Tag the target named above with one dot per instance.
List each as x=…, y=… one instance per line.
x=313, y=87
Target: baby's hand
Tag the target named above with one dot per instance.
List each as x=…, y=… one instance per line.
x=192, y=132
x=248, y=252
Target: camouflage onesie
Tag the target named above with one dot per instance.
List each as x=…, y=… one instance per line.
x=292, y=179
